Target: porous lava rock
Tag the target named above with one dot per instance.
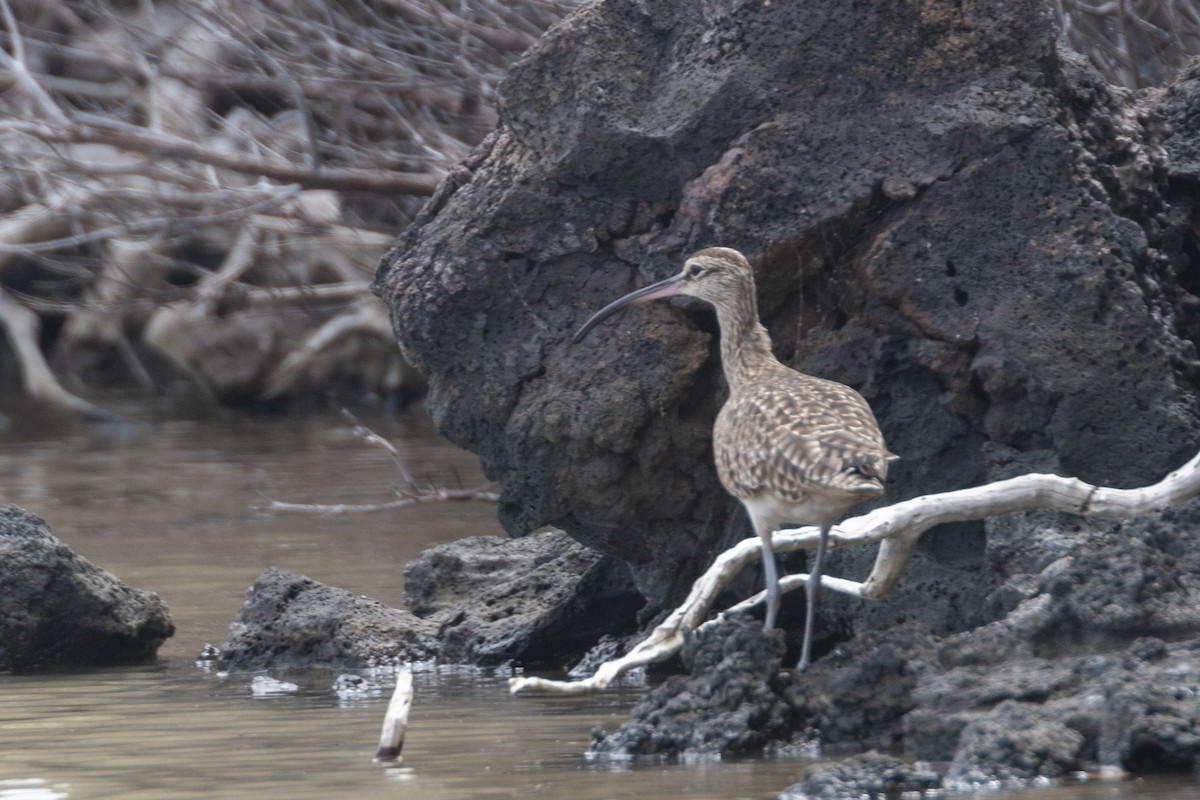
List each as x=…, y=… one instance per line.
x=289, y=621
x=730, y=703
x=867, y=776
x=946, y=210
x=1096, y=665
x=1013, y=745
x=59, y=609
x=544, y=597
x=481, y=600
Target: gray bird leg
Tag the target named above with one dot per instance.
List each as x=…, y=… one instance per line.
x=771, y=575
x=813, y=588
x=764, y=528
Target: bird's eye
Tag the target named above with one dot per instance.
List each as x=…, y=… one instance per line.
x=695, y=270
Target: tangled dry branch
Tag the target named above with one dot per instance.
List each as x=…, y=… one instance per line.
x=186, y=183
x=1134, y=43
x=143, y=146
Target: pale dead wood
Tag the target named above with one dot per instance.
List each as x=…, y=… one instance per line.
x=480, y=494
x=395, y=721
x=297, y=294
x=271, y=150
x=161, y=145
x=411, y=495
x=1135, y=43
x=129, y=265
x=16, y=66
x=897, y=528
x=375, y=440
x=22, y=228
x=366, y=319
x=310, y=239
x=238, y=259
x=22, y=328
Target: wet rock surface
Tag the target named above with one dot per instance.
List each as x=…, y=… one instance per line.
x=1014, y=745
x=1063, y=682
x=482, y=600
x=59, y=609
x=289, y=621
x=729, y=703
x=1033, y=717
x=859, y=694
x=543, y=597
x=946, y=211
x=869, y=776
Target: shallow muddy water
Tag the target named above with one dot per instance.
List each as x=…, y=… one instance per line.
x=177, y=508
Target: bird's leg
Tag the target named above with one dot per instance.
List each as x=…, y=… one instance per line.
x=764, y=529
x=771, y=576
x=812, y=588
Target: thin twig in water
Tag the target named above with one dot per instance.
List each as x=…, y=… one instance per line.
x=412, y=496
x=371, y=437
x=480, y=494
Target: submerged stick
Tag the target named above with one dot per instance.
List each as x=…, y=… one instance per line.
x=395, y=722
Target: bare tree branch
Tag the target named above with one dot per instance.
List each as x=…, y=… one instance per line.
x=21, y=327
x=270, y=150
x=159, y=145
x=477, y=495
x=411, y=495
x=15, y=64
x=897, y=528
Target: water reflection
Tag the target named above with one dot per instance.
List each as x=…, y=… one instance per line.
x=30, y=789
x=176, y=508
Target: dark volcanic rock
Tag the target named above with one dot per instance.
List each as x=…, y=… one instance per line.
x=1032, y=717
x=869, y=776
x=57, y=608
x=730, y=703
x=736, y=701
x=528, y=599
x=1013, y=745
x=482, y=600
x=290, y=621
x=860, y=693
x=945, y=211
x=1180, y=109
x=954, y=213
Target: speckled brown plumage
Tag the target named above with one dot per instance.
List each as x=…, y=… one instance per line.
x=795, y=436
x=792, y=447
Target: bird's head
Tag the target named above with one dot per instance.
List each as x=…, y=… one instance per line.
x=716, y=275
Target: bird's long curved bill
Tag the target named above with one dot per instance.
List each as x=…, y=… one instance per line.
x=667, y=288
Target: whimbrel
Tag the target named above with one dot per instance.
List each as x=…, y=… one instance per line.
x=791, y=447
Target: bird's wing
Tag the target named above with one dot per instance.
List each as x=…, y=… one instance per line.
x=798, y=438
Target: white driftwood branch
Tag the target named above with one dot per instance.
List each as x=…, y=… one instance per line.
x=366, y=319
x=23, y=229
x=395, y=721
x=479, y=494
x=21, y=327
x=897, y=528
x=16, y=66
x=164, y=145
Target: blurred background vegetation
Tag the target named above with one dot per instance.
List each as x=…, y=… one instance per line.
x=195, y=194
